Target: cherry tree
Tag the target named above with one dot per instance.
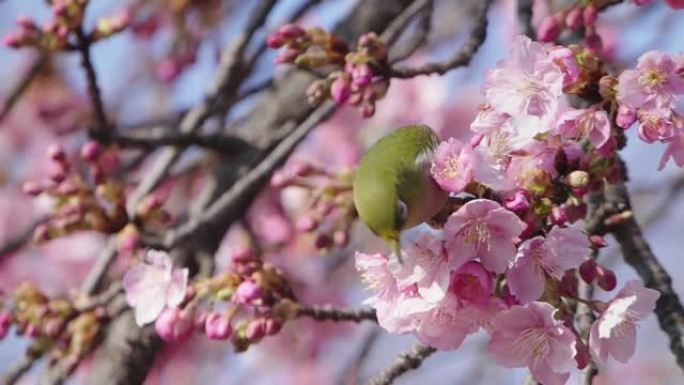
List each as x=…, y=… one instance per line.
x=178, y=184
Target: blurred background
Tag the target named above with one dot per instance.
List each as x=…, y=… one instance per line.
x=153, y=72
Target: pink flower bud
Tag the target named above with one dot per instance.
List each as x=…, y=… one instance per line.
x=291, y=31
x=626, y=116
x=91, y=150
x=656, y=125
x=174, y=324
x=340, y=238
x=368, y=110
x=549, y=30
x=275, y=40
x=518, y=202
x=306, y=223
x=56, y=152
x=56, y=172
x=597, y=241
x=168, y=70
x=300, y=168
x=587, y=271
x=248, y=292
x=280, y=179
x=569, y=284
x=362, y=75
x=605, y=278
x=559, y=215
x=340, y=89
x=217, y=327
x=5, y=323
x=31, y=188
x=675, y=4
x=288, y=55
x=12, y=41
x=243, y=255
x=574, y=18
x=594, y=42
x=322, y=241
x=256, y=330
x=590, y=14
x=272, y=326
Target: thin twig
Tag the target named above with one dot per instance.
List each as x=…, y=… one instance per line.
x=462, y=58
x=18, y=369
x=417, y=39
x=102, y=128
x=20, y=88
x=19, y=240
x=405, y=362
x=228, y=204
x=220, y=143
x=329, y=313
x=525, y=18
x=394, y=30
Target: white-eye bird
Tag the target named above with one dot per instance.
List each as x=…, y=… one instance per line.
x=393, y=189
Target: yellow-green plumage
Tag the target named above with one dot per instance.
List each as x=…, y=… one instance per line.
x=393, y=189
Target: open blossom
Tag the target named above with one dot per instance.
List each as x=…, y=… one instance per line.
x=452, y=165
x=527, y=83
x=443, y=327
x=395, y=308
x=426, y=264
x=585, y=124
x=653, y=84
x=153, y=285
x=656, y=125
x=674, y=150
x=562, y=249
x=483, y=228
x=530, y=336
x=614, y=333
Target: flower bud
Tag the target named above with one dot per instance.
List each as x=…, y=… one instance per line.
x=91, y=150
x=5, y=323
x=605, y=278
x=590, y=14
x=587, y=271
x=56, y=152
x=594, y=42
x=597, y=241
x=675, y=4
x=217, y=326
x=256, y=330
x=626, y=116
x=291, y=31
x=549, y=30
x=340, y=89
x=322, y=241
x=174, y=324
x=31, y=188
x=306, y=223
x=56, y=172
x=569, y=284
x=340, y=238
x=518, y=202
x=272, y=326
x=574, y=18
x=248, y=292
x=578, y=179
x=288, y=55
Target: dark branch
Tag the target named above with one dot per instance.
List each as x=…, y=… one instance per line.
x=405, y=362
x=16, y=93
x=102, y=128
x=525, y=18
x=17, y=370
x=462, y=58
x=329, y=313
x=221, y=143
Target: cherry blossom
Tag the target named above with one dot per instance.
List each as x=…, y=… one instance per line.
x=154, y=285
x=614, y=332
x=653, y=84
x=452, y=165
x=530, y=336
x=560, y=250
x=483, y=228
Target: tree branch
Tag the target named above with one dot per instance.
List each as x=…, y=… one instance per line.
x=461, y=58
x=101, y=131
x=20, y=88
x=405, y=362
x=329, y=313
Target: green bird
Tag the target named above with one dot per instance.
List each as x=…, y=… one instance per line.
x=393, y=189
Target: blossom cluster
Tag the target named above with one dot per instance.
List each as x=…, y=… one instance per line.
x=508, y=257
x=55, y=34
x=357, y=81
x=61, y=327
x=648, y=95
x=242, y=305
x=330, y=209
